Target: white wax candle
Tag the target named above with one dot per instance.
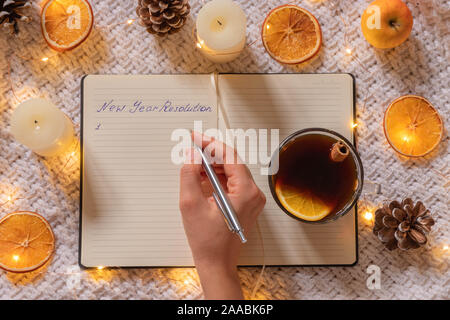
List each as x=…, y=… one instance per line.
x=221, y=30
x=42, y=127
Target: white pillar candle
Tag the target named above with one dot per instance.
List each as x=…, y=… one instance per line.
x=221, y=30
x=42, y=127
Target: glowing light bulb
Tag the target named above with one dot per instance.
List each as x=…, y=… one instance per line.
x=130, y=21
x=16, y=257
x=44, y=59
x=200, y=43
x=368, y=216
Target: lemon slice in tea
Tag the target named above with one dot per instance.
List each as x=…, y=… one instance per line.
x=302, y=204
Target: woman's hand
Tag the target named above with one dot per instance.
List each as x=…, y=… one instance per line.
x=214, y=248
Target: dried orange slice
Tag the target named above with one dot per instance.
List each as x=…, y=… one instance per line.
x=302, y=204
x=412, y=126
x=26, y=241
x=66, y=24
x=291, y=34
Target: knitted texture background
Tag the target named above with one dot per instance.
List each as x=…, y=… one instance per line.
x=51, y=186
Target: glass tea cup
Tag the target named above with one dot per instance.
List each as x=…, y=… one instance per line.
x=316, y=175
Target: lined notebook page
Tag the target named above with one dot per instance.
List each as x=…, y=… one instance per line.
x=130, y=187
x=291, y=102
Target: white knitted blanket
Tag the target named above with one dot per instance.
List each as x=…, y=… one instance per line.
x=51, y=187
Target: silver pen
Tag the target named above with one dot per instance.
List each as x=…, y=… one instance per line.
x=222, y=200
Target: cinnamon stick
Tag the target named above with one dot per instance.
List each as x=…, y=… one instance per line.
x=339, y=152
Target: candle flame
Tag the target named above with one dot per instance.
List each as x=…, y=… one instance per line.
x=354, y=125
x=406, y=138
x=130, y=21
x=348, y=51
x=100, y=267
x=44, y=59
x=16, y=257
x=9, y=198
x=445, y=247
x=268, y=27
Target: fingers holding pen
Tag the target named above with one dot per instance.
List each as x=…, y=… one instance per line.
x=227, y=159
x=191, y=192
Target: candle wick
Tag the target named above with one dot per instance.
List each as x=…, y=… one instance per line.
x=219, y=22
x=37, y=126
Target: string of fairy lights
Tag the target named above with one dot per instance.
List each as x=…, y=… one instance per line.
x=72, y=157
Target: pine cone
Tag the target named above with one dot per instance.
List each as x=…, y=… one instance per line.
x=402, y=225
x=163, y=17
x=11, y=13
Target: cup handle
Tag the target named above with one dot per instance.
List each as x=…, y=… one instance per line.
x=371, y=187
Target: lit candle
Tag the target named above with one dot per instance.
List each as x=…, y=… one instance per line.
x=41, y=126
x=221, y=30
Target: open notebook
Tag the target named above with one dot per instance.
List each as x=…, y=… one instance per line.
x=129, y=187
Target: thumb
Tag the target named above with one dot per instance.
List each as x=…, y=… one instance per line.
x=191, y=194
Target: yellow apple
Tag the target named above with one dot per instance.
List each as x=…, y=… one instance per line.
x=386, y=23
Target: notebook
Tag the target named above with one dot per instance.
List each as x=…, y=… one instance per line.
x=129, y=214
